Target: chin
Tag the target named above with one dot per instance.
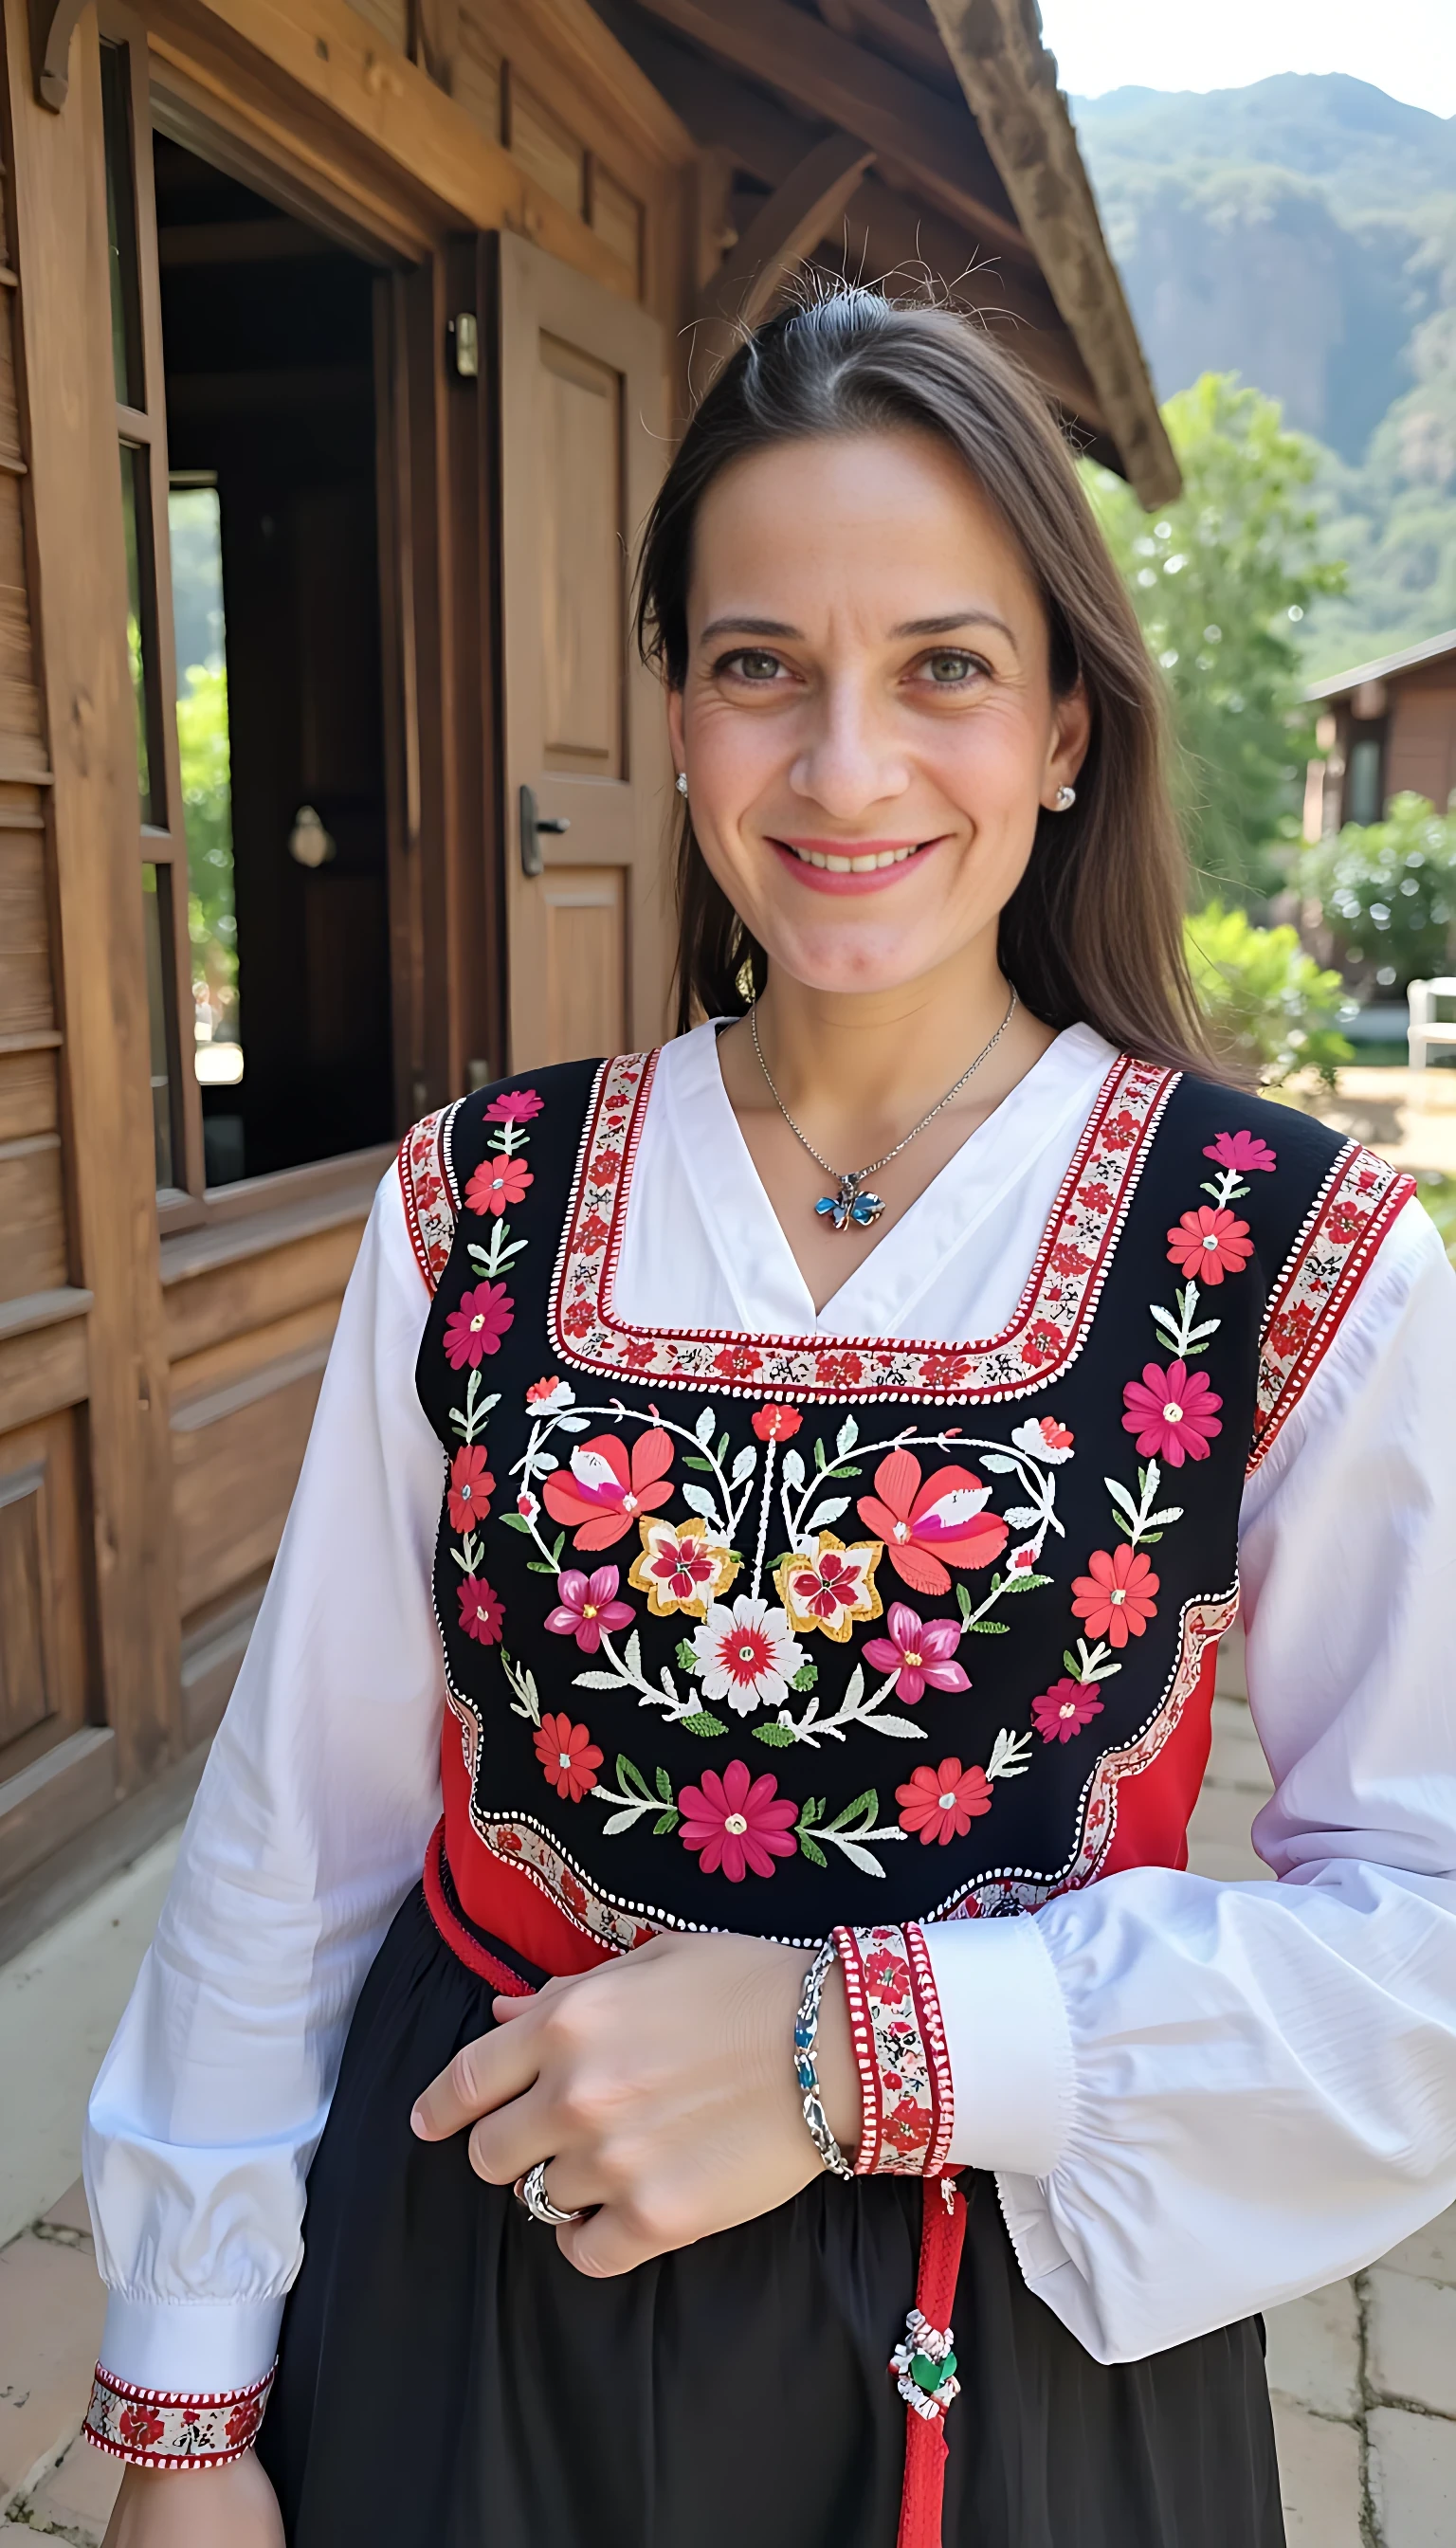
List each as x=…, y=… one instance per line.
x=855, y=960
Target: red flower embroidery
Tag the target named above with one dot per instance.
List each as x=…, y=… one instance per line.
x=737, y=1362
x=839, y=1370
x=776, y=1423
x=1062, y=1710
x=1041, y=1342
x=427, y=1192
x=941, y=1370
x=593, y=1233
x=1121, y=1130
x=577, y=1318
x=942, y=1804
x=515, y=1106
x=919, y=1654
x=1209, y=1244
x=922, y=1526
x=586, y=1605
x=1069, y=1260
x=1096, y=1197
x=567, y=1755
x=603, y=1492
x=476, y=1329
x=738, y=1822
x=887, y=1976
x=469, y=1489
x=242, y=2423
x=140, y=2425
x=495, y=1183
x=605, y=1168
x=1115, y=1595
x=1241, y=1151
x=482, y=1610
x=906, y=2125
x=1172, y=1412
x=639, y=1352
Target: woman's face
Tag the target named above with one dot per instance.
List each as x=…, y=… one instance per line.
x=867, y=722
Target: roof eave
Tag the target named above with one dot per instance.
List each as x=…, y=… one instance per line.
x=1407, y=661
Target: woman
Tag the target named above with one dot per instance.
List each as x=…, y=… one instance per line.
x=790, y=1638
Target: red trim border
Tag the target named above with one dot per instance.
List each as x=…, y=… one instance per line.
x=907, y=2092
x=1320, y=1279
x=162, y=2428
x=457, y=1936
x=427, y=1190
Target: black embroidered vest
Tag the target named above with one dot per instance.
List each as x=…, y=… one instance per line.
x=769, y=1633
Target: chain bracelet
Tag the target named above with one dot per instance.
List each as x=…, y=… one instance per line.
x=806, y=2031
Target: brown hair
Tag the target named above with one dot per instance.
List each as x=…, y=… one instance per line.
x=1094, y=931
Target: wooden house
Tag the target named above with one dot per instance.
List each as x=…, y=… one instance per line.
x=1384, y=729
x=340, y=347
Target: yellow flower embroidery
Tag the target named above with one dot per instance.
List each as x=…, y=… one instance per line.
x=831, y=1586
x=681, y=1568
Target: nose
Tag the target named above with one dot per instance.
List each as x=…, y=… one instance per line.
x=849, y=757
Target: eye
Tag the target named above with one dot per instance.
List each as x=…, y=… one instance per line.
x=751, y=664
x=949, y=666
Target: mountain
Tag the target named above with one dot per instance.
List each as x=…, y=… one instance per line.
x=1301, y=233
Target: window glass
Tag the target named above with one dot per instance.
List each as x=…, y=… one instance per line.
x=142, y=627
x=194, y=525
x=158, y=928
x=1363, y=804
x=120, y=224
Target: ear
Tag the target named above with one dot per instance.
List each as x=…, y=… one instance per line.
x=1071, y=732
x=676, y=738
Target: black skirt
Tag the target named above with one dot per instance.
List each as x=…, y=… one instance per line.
x=446, y=2380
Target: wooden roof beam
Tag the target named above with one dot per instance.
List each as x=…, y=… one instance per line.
x=898, y=118
x=788, y=227
x=1010, y=83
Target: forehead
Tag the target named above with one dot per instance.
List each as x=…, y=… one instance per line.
x=891, y=517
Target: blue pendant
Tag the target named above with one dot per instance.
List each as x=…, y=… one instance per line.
x=849, y=1205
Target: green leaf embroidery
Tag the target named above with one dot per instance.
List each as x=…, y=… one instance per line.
x=862, y=1807
x=686, y=1659
x=813, y=1850
x=515, y=1522
x=779, y=1737
x=663, y=1785
x=665, y=1823
x=629, y=1775
x=538, y=1566
x=695, y=1460
x=703, y=1723
x=987, y=1629
x=807, y=1677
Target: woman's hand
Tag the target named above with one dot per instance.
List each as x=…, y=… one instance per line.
x=659, y=2088
x=234, y=2506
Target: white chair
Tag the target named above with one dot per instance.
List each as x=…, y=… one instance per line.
x=1426, y=1027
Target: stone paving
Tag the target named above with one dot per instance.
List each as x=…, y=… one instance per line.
x=1363, y=2374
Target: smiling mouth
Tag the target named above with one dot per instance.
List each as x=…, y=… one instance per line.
x=852, y=863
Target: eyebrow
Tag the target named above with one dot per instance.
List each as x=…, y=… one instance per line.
x=943, y=626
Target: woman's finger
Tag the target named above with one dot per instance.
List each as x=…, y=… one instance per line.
x=484, y=2074
x=512, y=2137
x=612, y=2240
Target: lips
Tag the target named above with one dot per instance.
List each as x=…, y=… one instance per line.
x=851, y=866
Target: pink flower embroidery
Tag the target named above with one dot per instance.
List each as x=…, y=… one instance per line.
x=587, y=1604
x=476, y=1329
x=605, y=1490
x=738, y=1822
x=919, y=1654
x=482, y=1610
x=942, y=1804
x=928, y=1528
x=1208, y=1244
x=1062, y=1710
x=495, y=1183
x=567, y=1755
x=515, y=1106
x=470, y=1488
x=1241, y=1152
x=1172, y=1412
x=1115, y=1595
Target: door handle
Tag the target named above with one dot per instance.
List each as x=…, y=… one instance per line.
x=532, y=825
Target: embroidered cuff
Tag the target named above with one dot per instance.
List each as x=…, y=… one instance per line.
x=900, y=2050
x=155, y=2429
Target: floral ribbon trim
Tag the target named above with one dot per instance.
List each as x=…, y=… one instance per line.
x=907, y=2092
x=1320, y=1279
x=162, y=2429
x=425, y=1184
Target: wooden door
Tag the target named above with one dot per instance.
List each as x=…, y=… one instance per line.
x=582, y=377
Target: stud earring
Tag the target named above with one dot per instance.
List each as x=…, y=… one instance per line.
x=682, y=782
x=1066, y=797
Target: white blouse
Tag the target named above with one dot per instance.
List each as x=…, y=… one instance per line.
x=1198, y=2098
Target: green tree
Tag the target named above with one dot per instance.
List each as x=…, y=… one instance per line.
x=1221, y=580
x=1387, y=894
x=1270, y=1006
x=207, y=807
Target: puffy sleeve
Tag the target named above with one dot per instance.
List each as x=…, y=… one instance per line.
x=309, y=1828
x=1202, y=2098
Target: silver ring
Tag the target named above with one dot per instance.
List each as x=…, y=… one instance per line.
x=530, y=2190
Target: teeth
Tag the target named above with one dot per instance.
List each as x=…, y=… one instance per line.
x=856, y=867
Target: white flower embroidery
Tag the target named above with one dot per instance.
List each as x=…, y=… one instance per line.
x=746, y=1655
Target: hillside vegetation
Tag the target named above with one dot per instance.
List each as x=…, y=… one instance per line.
x=1301, y=233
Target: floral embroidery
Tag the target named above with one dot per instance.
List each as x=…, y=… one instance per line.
x=830, y=1587
x=607, y=1487
x=1358, y=1202
x=588, y=1607
x=476, y=1329
x=497, y=1183
x=738, y=1822
x=1042, y=1438
x=922, y=1526
x=681, y=1569
x=549, y=1396
x=1115, y=1595
x=1062, y=1710
x=1241, y=1152
x=567, y=1755
x=776, y=1423
x=1047, y=1332
x=515, y=1106
x=907, y=2093
x=1210, y=1244
x=429, y=1213
x=918, y=1655
x=746, y=1655
x=942, y=1803
x=1172, y=1412
x=482, y=1610
x=158, y=2428
x=468, y=1497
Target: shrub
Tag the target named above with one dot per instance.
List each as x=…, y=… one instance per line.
x=1272, y=1008
x=1388, y=893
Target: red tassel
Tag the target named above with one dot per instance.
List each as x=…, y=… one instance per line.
x=928, y=2344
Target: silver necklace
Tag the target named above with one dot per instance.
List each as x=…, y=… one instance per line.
x=850, y=1204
